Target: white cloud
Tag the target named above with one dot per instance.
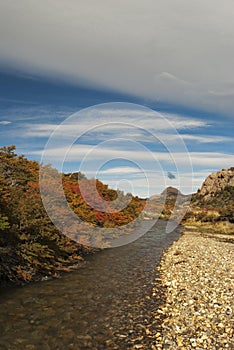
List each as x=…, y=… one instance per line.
x=213, y=160
x=130, y=121
x=120, y=170
x=5, y=122
x=182, y=122
x=168, y=76
x=79, y=152
x=206, y=138
x=174, y=51
x=142, y=126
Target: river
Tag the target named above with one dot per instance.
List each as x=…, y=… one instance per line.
x=106, y=304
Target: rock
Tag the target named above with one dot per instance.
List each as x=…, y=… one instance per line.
x=198, y=310
x=216, y=182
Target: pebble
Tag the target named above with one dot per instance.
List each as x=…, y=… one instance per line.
x=198, y=273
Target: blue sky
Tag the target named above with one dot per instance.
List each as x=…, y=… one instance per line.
x=31, y=108
x=174, y=60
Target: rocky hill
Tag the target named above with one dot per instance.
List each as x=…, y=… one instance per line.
x=213, y=205
x=216, y=183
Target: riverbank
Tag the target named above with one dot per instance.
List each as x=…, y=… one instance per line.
x=18, y=276
x=198, y=273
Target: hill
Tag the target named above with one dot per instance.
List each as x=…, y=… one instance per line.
x=216, y=184
x=213, y=204
x=162, y=205
x=30, y=245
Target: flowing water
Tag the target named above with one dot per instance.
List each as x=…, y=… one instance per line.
x=106, y=304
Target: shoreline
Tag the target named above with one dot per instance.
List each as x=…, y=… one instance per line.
x=197, y=271
x=69, y=267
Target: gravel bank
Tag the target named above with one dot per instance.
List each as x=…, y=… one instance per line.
x=198, y=272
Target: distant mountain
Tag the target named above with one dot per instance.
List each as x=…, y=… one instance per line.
x=169, y=196
x=162, y=205
x=170, y=191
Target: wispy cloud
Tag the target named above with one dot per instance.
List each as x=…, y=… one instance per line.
x=169, y=76
x=130, y=120
x=228, y=93
x=90, y=153
x=5, y=122
x=206, y=138
x=120, y=170
x=104, y=129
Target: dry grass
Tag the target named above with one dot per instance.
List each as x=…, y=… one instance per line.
x=222, y=227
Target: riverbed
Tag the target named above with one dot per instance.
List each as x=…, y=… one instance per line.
x=106, y=304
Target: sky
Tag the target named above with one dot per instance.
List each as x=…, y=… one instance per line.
x=138, y=90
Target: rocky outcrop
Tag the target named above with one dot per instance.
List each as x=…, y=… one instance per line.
x=216, y=182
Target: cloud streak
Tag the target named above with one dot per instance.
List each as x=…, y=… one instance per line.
x=79, y=152
x=5, y=122
x=90, y=120
x=104, y=129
